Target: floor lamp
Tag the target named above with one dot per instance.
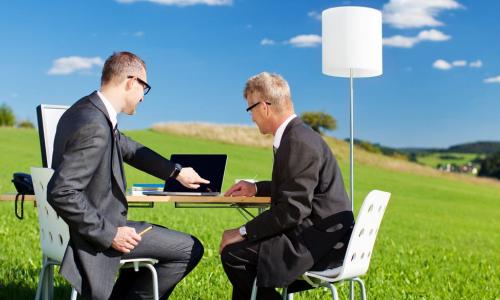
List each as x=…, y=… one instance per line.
x=352, y=48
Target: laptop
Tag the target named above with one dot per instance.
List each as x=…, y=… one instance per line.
x=208, y=166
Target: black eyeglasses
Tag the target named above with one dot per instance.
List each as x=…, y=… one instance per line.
x=255, y=104
x=144, y=84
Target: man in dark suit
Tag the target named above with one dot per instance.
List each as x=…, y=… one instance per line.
x=310, y=220
x=88, y=192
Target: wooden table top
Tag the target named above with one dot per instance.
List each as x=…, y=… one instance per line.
x=172, y=199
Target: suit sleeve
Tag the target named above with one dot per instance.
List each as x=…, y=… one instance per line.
x=298, y=165
x=263, y=189
x=66, y=191
x=144, y=159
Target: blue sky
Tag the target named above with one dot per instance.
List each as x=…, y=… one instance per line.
x=441, y=81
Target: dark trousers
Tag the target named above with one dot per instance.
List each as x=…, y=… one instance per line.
x=177, y=254
x=239, y=261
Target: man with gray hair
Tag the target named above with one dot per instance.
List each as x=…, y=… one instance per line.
x=310, y=220
x=88, y=191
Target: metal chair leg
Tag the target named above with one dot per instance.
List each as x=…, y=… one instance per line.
x=41, y=280
x=333, y=290
x=74, y=294
x=155, y=280
x=254, y=290
x=361, y=287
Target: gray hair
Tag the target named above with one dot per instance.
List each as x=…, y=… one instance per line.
x=272, y=88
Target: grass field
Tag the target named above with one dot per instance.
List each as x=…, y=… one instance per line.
x=440, y=237
x=433, y=159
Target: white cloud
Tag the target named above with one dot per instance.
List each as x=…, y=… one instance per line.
x=492, y=79
x=459, y=63
x=401, y=41
x=416, y=13
x=138, y=34
x=433, y=35
x=71, y=64
x=305, y=40
x=183, y=2
x=442, y=64
x=476, y=64
x=267, y=42
x=315, y=15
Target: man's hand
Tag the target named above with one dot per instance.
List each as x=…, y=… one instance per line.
x=190, y=179
x=229, y=237
x=126, y=239
x=242, y=188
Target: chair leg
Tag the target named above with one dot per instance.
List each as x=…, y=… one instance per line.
x=155, y=280
x=333, y=290
x=361, y=287
x=74, y=294
x=41, y=280
x=254, y=290
x=285, y=295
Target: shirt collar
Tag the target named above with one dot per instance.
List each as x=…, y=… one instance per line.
x=111, y=110
x=280, y=130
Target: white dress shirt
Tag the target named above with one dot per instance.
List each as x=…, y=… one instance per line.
x=109, y=107
x=280, y=130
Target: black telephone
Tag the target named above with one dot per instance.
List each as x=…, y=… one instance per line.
x=24, y=186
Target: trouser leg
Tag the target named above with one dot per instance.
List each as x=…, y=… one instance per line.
x=239, y=261
x=178, y=253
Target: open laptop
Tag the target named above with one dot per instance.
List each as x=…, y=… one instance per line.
x=208, y=166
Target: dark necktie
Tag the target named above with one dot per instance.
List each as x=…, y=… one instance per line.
x=116, y=134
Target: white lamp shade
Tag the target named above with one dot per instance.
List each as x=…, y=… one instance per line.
x=352, y=41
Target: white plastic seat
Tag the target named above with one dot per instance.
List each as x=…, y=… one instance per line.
x=359, y=250
x=54, y=237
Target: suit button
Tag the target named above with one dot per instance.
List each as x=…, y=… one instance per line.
x=124, y=213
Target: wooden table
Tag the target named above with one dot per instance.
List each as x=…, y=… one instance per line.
x=173, y=199
x=241, y=203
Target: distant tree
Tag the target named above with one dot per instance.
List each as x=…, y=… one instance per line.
x=319, y=121
x=412, y=156
x=7, y=117
x=25, y=124
x=490, y=166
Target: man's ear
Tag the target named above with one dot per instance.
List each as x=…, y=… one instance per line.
x=128, y=83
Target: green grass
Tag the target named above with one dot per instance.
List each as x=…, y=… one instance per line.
x=439, y=238
x=434, y=159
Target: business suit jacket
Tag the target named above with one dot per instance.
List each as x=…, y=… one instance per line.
x=310, y=216
x=88, y=191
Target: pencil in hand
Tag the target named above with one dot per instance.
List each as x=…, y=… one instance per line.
x=146, y=230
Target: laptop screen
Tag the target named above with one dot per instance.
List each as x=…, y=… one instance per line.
x=208, y=166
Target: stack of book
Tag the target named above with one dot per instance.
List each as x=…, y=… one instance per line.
x=138, y=189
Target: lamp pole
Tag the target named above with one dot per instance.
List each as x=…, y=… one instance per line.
x=351, y=146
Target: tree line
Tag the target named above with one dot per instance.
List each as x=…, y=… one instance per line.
x=8, y=118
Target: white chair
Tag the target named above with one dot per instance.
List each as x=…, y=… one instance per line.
x=54, y=237
x=359, y=251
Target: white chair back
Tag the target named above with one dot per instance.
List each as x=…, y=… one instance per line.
x=54, y=232
x=360, y=248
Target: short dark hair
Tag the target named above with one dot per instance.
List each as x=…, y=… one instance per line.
x=120, y=65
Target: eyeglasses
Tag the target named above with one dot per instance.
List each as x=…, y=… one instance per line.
x=255, y=104
x=144, y=84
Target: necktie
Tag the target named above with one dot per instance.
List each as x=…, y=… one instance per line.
x=274, y=150
x=116, y=134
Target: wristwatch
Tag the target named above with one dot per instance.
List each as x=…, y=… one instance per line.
x=243, y=231
x=177, y=170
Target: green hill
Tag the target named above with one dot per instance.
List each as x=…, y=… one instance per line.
x=439, y=238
